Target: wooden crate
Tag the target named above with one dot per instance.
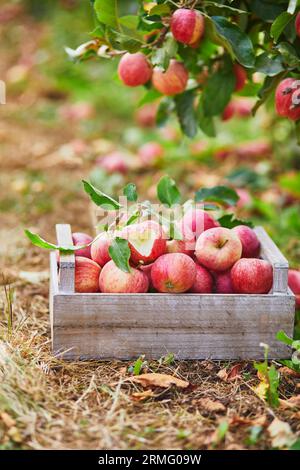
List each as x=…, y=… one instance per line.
x=191, y=326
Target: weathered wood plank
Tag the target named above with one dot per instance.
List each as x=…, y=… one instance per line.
x=184, y=343
x=67, y=261
x=271, y=252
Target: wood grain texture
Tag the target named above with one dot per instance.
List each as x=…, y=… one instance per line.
x=191, y=326
x=271, y=253
x=67, y=261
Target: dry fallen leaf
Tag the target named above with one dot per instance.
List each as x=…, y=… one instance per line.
x=7, y=420
x=159, y=380
x=240, y=420
x=261, y=390
x=293, y=402
x=281, y=434
x=288, y=372
x=233, y=373
x=211, y=405
x=141, y=396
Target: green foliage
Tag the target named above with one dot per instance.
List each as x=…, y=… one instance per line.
x=247, y=33
x=99, y=198
x=294, y=362
x=167, y=191
x=220, y=194
x=270, y=376
x=229, y=221
x=120, y=253
x=130, y=192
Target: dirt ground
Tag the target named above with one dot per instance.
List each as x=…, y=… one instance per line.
x=46, y=403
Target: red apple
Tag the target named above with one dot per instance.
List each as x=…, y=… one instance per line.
x=283, y=96
x=186, y=245
x=134, y=69
x=240, y=77
x=252, y=276
x=294, y=111
x=249, y=240
x=86, y=275
x=187, y=26
x=297, y=24
x=114, y=162
x=223, y=283
x=147, y=241
x=197, y=221
x=229, y=111
x=218, y=249
x=113, y=280
x=294, y=284
x=243, y=107
x=80, y=238
x=146, y=115
x=203, y=283
x=99, y=249
x=150, y=152
x=173, y=81
x=173, y=273
x=254, y=149
x=146, y=269
x=245, y=198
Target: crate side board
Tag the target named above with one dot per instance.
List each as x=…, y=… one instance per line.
x=197, y=327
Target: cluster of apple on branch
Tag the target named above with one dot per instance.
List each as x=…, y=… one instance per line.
x=195, y=56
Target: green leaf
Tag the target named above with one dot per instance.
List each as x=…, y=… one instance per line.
x=296, y=445
x=160, y=10
x=130, y=192
x=166, y=106
x=133, y=217
x=269, y=65
x=99, y=198
x=217, y=92
x=266, y=10
x=138, y=365
x=149, y=97
x=129, y=21
x=280, y=24
x=121, y=41
x=220, y=194
x=266, y=91
x=107, y=12
x=167, y=191
x=161, y=56
x=289, y=54
x=186, y=113
x=206, y=123
x=284, y=338
x=41, y=243
x=235, y=40
x=229, y=221
x=120, y=253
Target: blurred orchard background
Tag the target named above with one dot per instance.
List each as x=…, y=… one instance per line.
x=64, y=122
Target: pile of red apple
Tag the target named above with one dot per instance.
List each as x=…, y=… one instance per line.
x=208, y=259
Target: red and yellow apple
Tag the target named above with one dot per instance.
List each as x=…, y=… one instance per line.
x=197, y=221
x=252, y=276
x=249, y=240
x=114, y=280
x=147, y=241
x=99, y=249
x=86, y=275
x=173, y=273
x=203, y=283
x=134, y=69
x=173, y=81
x=187, y=26
x=218, y=249
x=80, y=238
